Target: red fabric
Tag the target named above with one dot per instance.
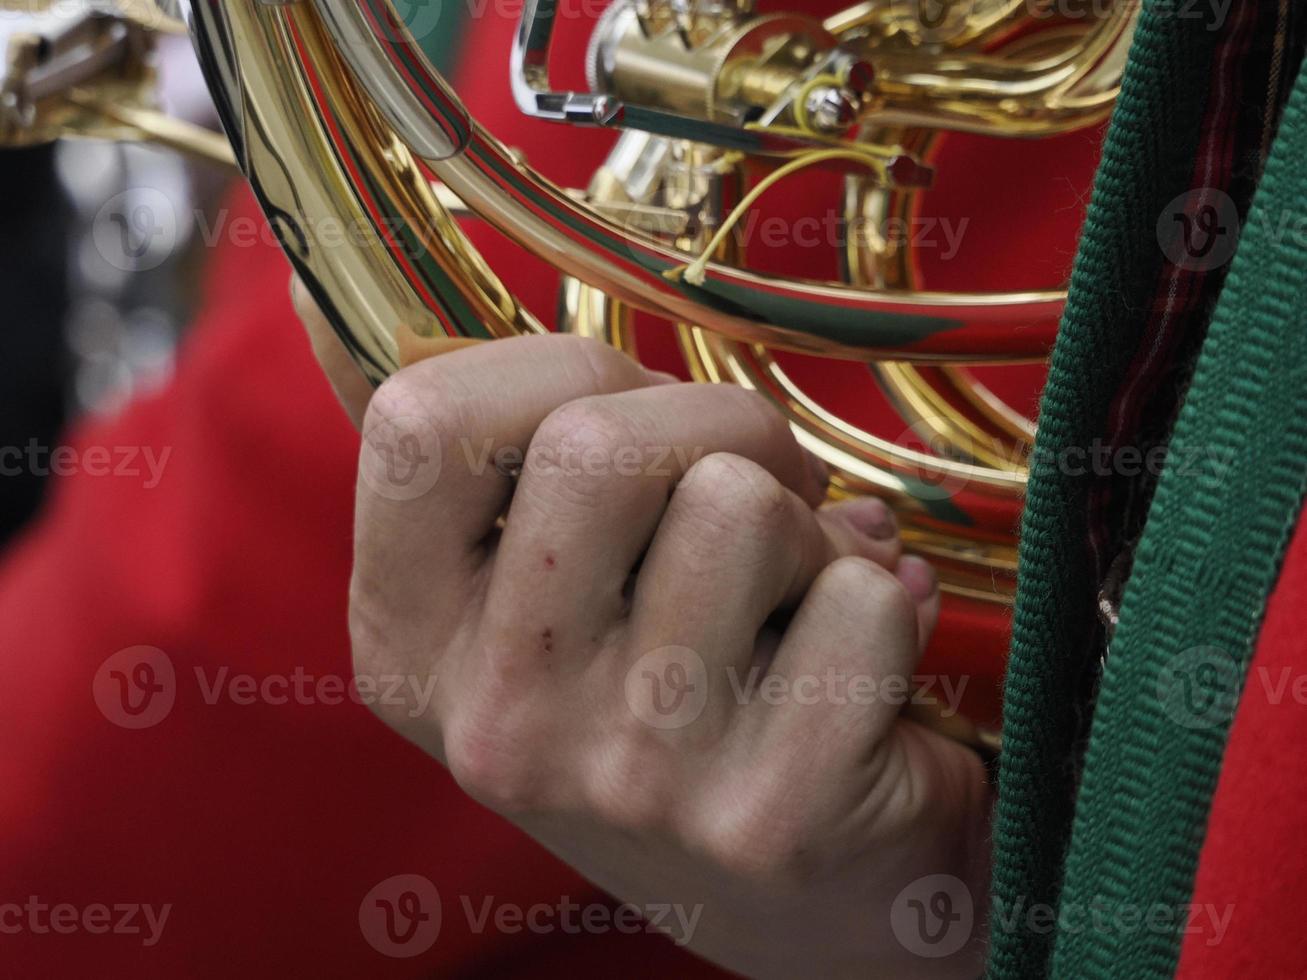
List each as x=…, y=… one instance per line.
x=1253, y=863
x=264, y=826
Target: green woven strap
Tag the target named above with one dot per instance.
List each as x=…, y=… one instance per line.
x=1147, y=161
x=1208, y=559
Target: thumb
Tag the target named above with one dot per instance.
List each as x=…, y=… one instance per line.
x=351, y=387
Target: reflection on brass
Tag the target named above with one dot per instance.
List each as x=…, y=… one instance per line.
x=334, y=111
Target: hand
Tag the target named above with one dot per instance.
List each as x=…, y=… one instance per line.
x=635, y=619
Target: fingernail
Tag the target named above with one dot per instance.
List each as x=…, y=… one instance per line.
x=873, y=517
x=918, y=577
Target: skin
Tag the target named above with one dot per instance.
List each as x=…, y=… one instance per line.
x=551, y=599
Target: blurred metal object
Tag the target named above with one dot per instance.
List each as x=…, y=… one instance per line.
x=85, y=71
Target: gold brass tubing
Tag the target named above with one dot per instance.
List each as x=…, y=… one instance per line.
x=587, y=312
x=285, y=146
x=919, y=402
x=917, y=399
x=890, y=265
x=880, y=17
x=549, y=238
x=866, y=457
x=861, y=452
x=1000, y=413
x=990, y=555
x=1001, y=96
x=702, y=365
x=418, y=209
x=366, y=291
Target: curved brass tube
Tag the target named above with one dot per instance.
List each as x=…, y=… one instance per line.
x=326, y=116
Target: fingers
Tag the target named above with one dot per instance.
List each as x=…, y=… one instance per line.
x=351, y=387
x=734, y=547
x=598, y=478
x=441, y=442
x=919, y=578
x=854, y=640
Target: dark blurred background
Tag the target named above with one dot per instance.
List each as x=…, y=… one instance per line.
x=92, y=303
x=34, y=359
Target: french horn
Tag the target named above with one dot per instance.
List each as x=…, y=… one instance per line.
x=337, y=114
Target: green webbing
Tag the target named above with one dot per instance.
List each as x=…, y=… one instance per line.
x=1209, y=556
x=1147, y=161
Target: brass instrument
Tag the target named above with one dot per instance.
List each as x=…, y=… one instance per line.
x=336, y=113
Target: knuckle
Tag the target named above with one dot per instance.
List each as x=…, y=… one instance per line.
x=399, y=401
x=581, y=437
x=624, y=790
x=758, y=839
x=857, y=589
x=493, y=763
x=727, y=494
x=574, y=457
